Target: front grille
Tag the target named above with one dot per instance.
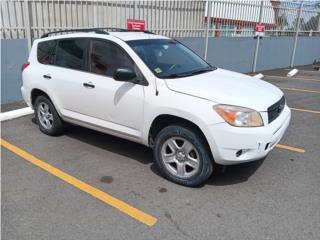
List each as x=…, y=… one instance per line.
x=275, y=110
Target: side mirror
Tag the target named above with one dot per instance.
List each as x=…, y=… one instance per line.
x=124, y=74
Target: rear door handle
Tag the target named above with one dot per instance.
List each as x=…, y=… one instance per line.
x=47, y=76
x=88, y=85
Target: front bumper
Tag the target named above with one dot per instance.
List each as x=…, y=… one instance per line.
x=226, y=141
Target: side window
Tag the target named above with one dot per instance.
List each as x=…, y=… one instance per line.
x=46, y=52
x=106, y=57
x=71, y=53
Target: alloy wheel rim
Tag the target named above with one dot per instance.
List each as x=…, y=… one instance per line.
x=180, y=157
x=45, y=115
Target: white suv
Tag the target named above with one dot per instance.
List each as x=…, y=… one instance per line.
x=155, y=91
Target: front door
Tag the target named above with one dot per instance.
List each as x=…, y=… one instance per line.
x=92, y=95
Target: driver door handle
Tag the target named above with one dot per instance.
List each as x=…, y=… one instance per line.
x=47, y=76
x=88, y=85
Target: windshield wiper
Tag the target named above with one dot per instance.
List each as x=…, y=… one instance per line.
x=187, y=74
x=200, y=71
x=174, y=75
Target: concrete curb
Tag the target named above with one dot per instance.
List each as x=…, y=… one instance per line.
x=259, y=76
x=15, y=114
x=292, y=72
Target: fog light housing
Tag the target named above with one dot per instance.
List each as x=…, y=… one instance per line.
x=267, y=146
x=239, y=153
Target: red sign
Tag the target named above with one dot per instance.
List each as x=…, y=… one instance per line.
x=135, y=24
x=260, y=28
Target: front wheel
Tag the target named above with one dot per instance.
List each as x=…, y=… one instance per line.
x=182, y=156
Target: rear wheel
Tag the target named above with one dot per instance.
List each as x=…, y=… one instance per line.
x=47, y=117
x=182, y=156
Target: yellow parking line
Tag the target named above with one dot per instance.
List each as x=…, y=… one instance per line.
x=102, y=196
x=293, y=78
x=299, y=90
x=293, y=149
x=305, y=110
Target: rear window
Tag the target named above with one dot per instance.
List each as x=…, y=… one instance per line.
x=46, y=52
x=71, y=53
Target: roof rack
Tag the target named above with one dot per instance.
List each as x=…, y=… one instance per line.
x=95, y=30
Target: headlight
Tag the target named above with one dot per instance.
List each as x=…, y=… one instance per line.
x=239, y=116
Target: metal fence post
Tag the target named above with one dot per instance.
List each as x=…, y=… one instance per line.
x=296, y=35
x=209, y=11
x=134, y=9
x=27, y=21
x=95, y=12
x=256, y=52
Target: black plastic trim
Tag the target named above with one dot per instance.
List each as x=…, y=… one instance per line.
x=95, y=30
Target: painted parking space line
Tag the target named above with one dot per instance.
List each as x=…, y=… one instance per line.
x=95, y=192
x=290, y=148
x=305, y=110
x=292, y=78
x=298, y=89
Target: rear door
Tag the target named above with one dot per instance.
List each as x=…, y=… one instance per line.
x=45, y=67
x=61, y=64
x=69, y=77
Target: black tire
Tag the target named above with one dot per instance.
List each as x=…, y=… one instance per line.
x=206, y=163
x=57, y=126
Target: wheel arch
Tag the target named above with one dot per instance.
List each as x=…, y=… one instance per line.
x=164, y=120
x=36, y=92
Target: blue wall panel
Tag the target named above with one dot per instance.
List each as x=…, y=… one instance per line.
x=229, y=53
x=14, y=52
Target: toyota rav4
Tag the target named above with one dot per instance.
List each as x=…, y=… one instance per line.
x=153, y=90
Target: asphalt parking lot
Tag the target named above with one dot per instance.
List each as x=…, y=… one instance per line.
x=81, y=198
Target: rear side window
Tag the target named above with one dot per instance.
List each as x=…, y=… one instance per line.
x=46, y=52
x=106, y=57
x=71, y=53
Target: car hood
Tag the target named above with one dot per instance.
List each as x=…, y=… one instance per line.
x=227, y=87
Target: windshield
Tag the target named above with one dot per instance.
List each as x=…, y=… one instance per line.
x=167, y=58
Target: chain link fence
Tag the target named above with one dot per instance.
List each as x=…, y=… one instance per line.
x=280, y=18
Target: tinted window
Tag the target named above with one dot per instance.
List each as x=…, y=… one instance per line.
x=106, y=57
x=46, y=52
x=71, y=53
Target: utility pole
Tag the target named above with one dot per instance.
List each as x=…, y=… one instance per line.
x=318, y=22
x=296, y=35
x=209, y=11
x=256, y=52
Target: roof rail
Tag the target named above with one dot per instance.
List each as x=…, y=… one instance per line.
x=95, y=30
